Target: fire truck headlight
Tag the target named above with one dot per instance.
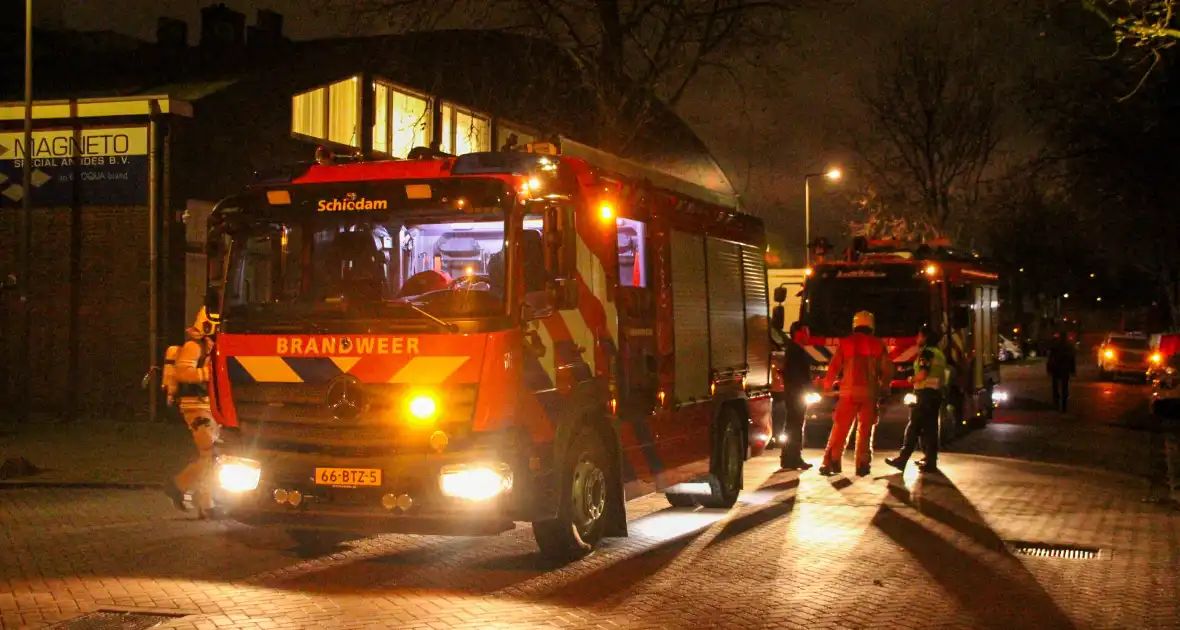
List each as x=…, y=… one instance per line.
x=910, y=398
x=999, y=396
x=475, y=482
x=811, y=398
x=238, y=474
x=423, y=407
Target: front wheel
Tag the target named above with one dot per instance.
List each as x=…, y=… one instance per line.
x=727, y=471
x=585, y=497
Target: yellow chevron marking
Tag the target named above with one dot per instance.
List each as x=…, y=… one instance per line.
x=345, y=363
x=428, y=370
x=269, y=369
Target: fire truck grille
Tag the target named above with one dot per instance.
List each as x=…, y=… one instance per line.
x=295, y=418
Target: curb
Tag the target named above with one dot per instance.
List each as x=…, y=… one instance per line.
x=80, y=485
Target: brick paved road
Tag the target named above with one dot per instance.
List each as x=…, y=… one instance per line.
x=887, y=551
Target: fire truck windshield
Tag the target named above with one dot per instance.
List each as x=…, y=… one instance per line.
x=900, y=306
x=366, y=265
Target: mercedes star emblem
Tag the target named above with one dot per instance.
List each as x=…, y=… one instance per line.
x=345, y=399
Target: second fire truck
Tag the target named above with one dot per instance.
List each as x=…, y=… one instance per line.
x=456, y=344
x=910, y=288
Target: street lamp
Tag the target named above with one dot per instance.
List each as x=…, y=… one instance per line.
x=832, y=174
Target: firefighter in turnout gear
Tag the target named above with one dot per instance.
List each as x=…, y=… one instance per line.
x=187, y=385
x=865, y=369
x=930, y=373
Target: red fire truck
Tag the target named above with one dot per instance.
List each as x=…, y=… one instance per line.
x=910, y=288
x=454, y=344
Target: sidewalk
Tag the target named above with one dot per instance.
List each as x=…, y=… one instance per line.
x=94, y=453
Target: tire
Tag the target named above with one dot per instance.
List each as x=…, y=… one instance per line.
x=681, y=500
x=587, y=484
x=727, y=476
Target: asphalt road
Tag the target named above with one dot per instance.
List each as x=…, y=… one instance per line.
x=799, y=551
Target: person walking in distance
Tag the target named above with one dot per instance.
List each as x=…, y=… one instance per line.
x=1062, y=364
x=189, y=383
x=930, y=371
x=865, y=370
x=796, y=374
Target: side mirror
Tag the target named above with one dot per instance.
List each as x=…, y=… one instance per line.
x=778, y=338
x=778, y=317
x=780, y=294
x=962, y=317
x=561, y=254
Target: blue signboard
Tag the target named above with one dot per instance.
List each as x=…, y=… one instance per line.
x=92, y=166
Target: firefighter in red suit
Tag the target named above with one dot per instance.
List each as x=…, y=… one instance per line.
x=865, y=370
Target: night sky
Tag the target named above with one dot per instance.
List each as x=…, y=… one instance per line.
x=798, y=110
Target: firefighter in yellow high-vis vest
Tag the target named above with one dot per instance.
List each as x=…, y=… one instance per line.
x=186, y=380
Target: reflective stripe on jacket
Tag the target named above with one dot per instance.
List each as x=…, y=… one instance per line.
x=930, y=369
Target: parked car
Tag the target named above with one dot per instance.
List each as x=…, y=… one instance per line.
x=1126, y=354
x=1009, y=350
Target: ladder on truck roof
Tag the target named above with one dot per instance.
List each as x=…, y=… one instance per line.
x=658, y=178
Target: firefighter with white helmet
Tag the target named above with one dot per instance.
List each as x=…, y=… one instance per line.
x=186, y=380
x=865, y=370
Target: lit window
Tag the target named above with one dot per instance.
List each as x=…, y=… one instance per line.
x=513, y=138
x=307, y=113
x=342, y=112
x=411, y=122
x=632, y=253
x=465, y=131
x=328, y=113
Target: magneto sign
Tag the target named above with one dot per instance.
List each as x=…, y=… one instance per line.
x=92, y=166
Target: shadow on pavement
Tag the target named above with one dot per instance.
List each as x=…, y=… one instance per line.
x=752, y=520
x=996, y=589
x=970, y=523
x=592, y=589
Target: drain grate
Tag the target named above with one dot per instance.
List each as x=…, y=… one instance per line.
x=112, y=621
x=121, y=618
x=1047, y=550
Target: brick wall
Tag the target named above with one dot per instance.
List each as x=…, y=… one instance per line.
x=107, y=275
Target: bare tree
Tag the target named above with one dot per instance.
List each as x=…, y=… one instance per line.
x=934, y=117
x=1142, y=29
x=628, y=53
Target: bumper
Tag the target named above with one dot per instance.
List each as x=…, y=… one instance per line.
x=1125, y=368
x=408, y=499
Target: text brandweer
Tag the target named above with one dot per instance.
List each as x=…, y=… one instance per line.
x=345, y=345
